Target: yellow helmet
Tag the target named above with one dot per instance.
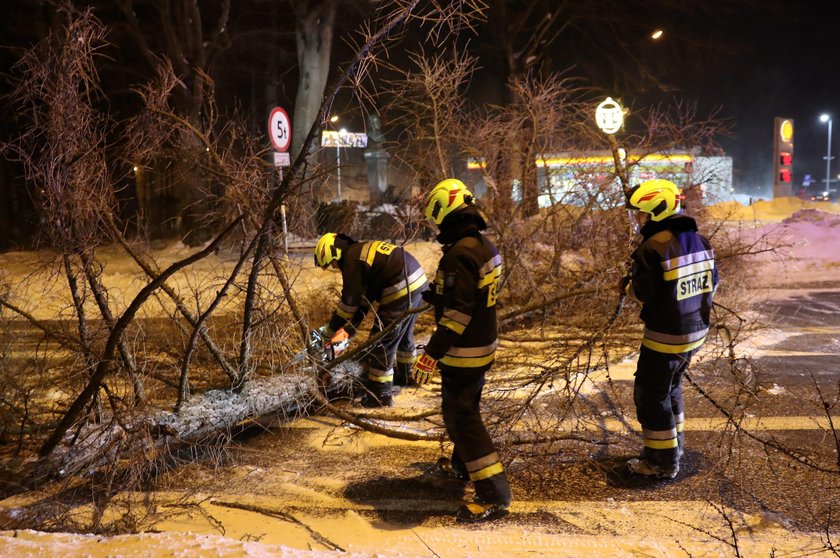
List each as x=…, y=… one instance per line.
x=447, y=196
x=326, y=251
x=659, y=197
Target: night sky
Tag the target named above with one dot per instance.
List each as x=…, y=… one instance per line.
x=751, y=59
x=781, y=59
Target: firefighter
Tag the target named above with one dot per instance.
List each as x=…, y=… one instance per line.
x=673, y=277
x=464, y=342
x=375, y=272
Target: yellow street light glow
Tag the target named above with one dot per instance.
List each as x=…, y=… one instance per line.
x=334, y=118
x=608, y=159
x=656, y=158
x=656, y=34
x=136, y=169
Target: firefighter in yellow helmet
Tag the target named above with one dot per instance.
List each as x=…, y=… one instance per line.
x=673, y=277
x=463, y=345
x=375, y=272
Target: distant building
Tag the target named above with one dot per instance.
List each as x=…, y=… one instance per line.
x=591, y=178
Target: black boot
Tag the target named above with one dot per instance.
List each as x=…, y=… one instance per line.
x=402, y=375
x=371, y=401
x=473, y=512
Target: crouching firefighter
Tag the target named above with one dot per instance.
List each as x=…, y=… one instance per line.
x=673, y=276
x=463, y=344
x=375, y=272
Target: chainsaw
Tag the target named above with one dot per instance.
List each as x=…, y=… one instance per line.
x=322, y=351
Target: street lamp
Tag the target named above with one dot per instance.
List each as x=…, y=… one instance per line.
x=333, y=120
x=827, y=118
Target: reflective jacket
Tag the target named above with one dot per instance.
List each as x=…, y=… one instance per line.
x=375, y=272
x=674, y=277
x=464, y=294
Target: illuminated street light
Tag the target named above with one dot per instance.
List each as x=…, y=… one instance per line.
x=334, y=118
x=656, y=34
x=826, y=118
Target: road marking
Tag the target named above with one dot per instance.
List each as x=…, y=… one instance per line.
x=348, y=438
x=758, y=424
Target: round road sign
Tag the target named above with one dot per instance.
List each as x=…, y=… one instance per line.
x=609, y=116
x=280, y=129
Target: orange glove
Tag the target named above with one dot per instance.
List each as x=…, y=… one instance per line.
x=423, y=370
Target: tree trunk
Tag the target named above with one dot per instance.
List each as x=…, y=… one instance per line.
x=314, y=35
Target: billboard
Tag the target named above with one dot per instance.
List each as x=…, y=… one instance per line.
x=331, y=138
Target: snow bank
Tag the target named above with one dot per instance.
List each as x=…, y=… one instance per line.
x=768, y=210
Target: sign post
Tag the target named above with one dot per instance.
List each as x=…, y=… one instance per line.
x=609, y=116
x=280, y=132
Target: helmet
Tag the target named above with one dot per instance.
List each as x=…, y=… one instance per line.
x=446, y=197
x=326, y=251
x=660, y=198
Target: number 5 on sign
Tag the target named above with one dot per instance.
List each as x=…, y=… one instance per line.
x=280, y=129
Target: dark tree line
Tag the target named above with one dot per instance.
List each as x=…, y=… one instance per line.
x=263, y=53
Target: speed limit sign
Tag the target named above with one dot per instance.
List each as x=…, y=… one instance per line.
x=280, y=129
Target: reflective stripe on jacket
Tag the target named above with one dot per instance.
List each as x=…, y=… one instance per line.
x=674, y=277
x=371, y=272
x=464, y=296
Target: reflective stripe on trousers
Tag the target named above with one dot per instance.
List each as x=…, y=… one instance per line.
x=460, y=402
x=657, y=393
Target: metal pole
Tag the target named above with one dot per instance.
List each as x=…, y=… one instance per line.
x=828, y=162
x=338, y=167
x=285, y=229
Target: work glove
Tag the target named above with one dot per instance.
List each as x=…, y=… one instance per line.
x=428, y=296
x=326, y=333
x=423, y=370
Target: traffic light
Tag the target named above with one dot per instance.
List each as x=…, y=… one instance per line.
x=783, y=157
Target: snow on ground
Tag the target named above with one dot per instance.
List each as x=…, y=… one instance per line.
x=34, y=544
x=638, y=528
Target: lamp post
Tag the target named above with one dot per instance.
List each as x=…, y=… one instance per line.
x=333, y=120
x=341, y=134
x=827, y=118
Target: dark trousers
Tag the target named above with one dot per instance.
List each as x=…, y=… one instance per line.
x=381, y=357
x=657, y=393
x=474, y=453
